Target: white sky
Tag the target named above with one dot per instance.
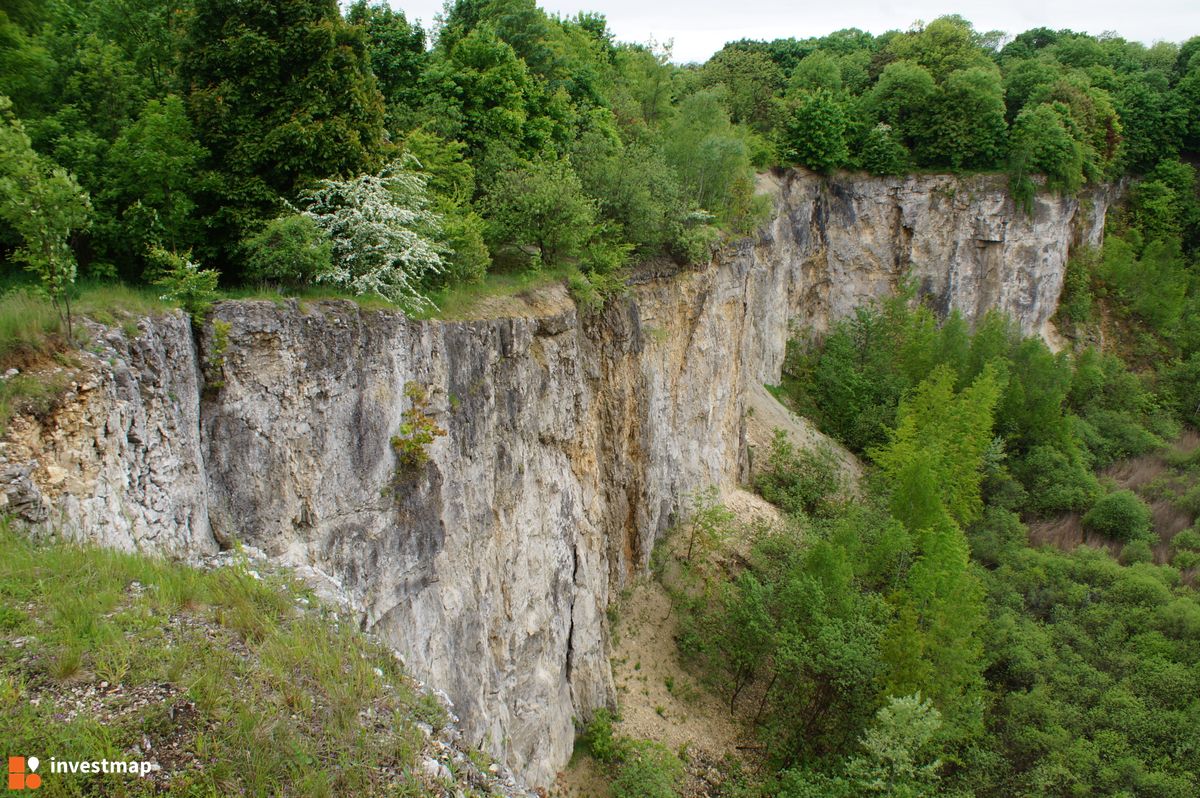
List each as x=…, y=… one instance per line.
x=700, y=27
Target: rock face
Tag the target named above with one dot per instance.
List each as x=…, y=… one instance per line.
x=120, y=461
x=961, y=241
x=571, y=443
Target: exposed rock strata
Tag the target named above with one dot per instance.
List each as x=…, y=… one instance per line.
x=572, y=443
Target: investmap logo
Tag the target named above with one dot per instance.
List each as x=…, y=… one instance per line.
x=22, y=773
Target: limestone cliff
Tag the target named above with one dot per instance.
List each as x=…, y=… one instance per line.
x=572, y=442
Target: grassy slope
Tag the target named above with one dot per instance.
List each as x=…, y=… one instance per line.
x=235, y=683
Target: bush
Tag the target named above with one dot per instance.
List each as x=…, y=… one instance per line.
x=598, y=738
x=1137, y=551
x=1118, y=434
x=883, y=153
x=649, y=770
x=1186, y=559
x=800, y=483
x=1075, y=305
x=696, y=243
x=1056, y=482
x=386, y=239
x=418, y=430
x=542, y=206
x=185, y=283
x=1188, y=539
x=291, y=249
x=1119, y=516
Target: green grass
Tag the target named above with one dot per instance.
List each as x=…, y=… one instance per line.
x=28, y=325
x=310, y=293
x=108, y=303
x=452, y=302
x=26, y=394
x=270, y=697
x=461, y=301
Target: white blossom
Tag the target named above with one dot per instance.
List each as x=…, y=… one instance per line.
x=385, y=238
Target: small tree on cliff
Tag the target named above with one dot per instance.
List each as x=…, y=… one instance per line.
x=814, y=131
x=43, y=204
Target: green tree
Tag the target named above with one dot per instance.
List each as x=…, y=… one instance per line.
x=451, y=182
x=969, y=129
x=820, y=70
x=708, y=154
x=398, y=57
x=897, y=759
x=751, y=80
x=541, y=205
x=1042, y=143
x=479, y=92
x=646, y=83
x=281, y=95
x=152, y=169
x=946, y=435
x=947, y=45
x=813, y=132
x=903, y=97
x=883, y=153
x=44, y=205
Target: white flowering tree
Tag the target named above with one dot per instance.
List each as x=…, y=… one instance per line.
x=385, y=237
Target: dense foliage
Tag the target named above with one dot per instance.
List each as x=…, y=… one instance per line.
x=200, y=125
x=913, y=641
x=203, y=126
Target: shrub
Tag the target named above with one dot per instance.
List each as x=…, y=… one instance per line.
x=649, y=770
x=883, y=153
x=1188, y=539
x=805, y=482
x=1075, y=305
x=417, y=430
x=1137, y=551
x=386, y=239
x=1119, y=516
x=598, y=738
x=696, y=243
x=542, y=205
x=1186, y=559
x=184, y=282
x=290, y=249
x=1055, y=481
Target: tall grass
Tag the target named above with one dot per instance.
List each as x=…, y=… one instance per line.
x=105, y=301
x=28, y=325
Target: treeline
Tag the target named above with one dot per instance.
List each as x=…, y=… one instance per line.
x=285, y=142
x=1067, y=105
x=289, y=143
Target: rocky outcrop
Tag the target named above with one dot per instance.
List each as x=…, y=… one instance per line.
x=119, y=462
x=572, y=442
x=961, y=242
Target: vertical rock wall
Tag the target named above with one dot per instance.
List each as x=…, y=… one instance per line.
x=571, y=443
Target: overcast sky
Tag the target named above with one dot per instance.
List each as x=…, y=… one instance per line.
x=700, y=27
